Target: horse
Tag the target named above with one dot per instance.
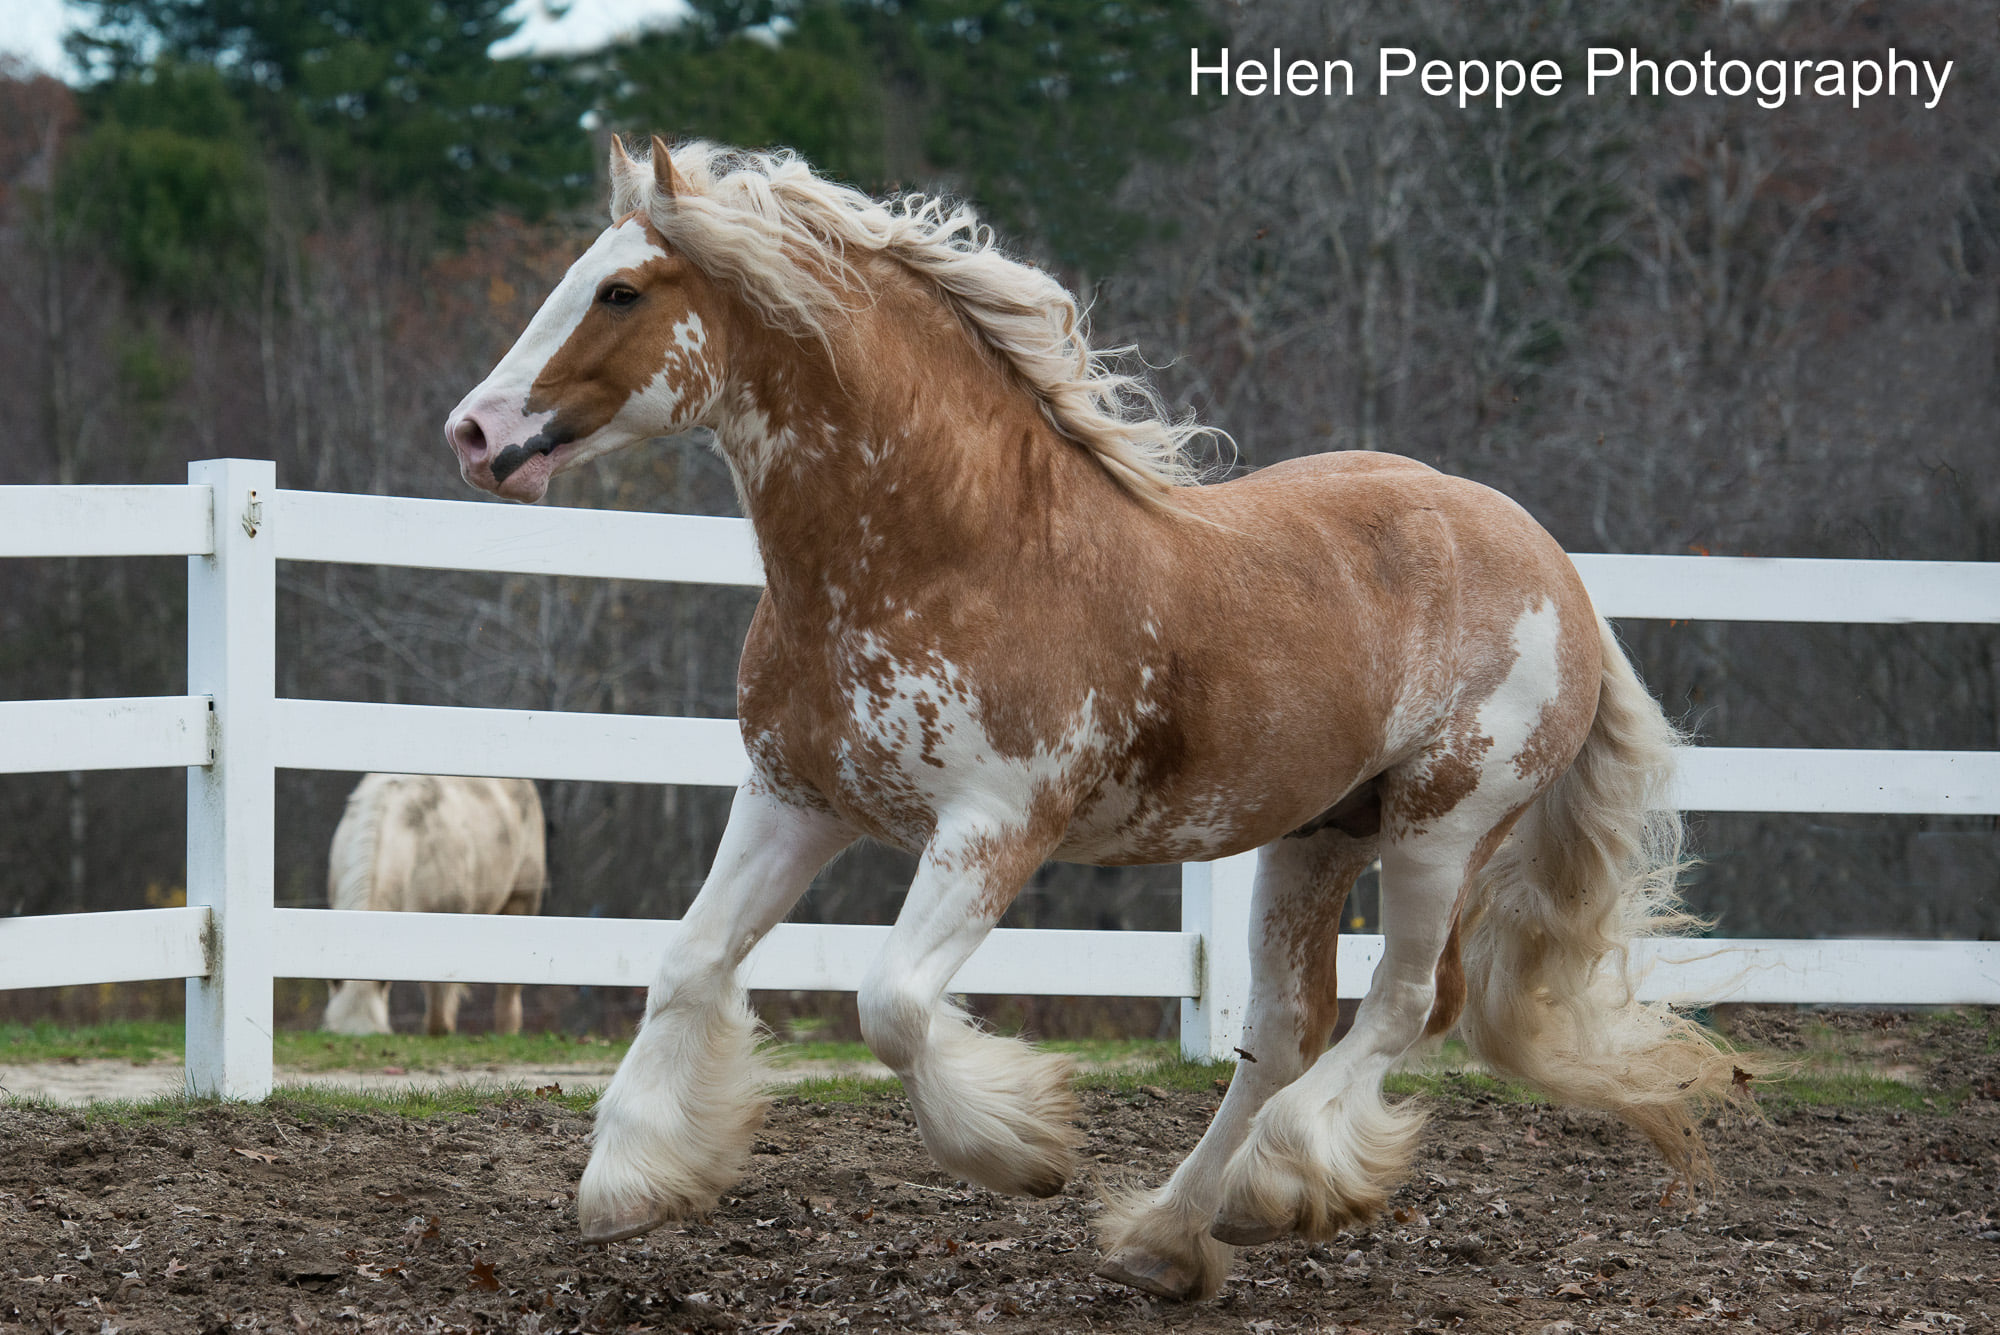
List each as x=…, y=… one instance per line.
x=421, y=843
x=1004, y=622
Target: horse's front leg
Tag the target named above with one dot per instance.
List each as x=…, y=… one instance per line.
x=993, y=1110
x=674, y=1127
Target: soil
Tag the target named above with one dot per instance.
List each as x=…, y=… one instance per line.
x=1516, y=1218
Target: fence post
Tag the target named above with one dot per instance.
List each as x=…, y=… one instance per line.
x=1215, y=905
x=232, y=659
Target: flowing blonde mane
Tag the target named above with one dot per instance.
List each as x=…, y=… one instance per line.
x=783, y=236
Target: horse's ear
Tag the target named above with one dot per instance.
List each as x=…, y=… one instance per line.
x=664, y=176
x=622, y=170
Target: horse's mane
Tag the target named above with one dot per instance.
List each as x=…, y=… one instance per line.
x=784, y=237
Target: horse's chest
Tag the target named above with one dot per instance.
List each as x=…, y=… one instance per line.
x=893, y=740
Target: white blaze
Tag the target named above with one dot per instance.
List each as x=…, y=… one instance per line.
x=625, y=246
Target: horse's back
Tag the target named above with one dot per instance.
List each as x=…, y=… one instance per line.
x=1441, y=564
x=1371, y=500
x=437, y=844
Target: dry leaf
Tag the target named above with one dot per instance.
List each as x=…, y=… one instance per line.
x=483, y=1276
x=261, y=1156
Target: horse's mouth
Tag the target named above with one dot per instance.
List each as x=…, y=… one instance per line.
x=522, y=472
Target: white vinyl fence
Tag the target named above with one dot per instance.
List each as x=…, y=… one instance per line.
x=232, y=732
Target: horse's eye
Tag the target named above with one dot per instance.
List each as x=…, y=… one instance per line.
x=618, y=294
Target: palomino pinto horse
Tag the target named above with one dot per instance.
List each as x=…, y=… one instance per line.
x=1000, y=627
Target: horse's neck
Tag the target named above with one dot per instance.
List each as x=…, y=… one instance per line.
x=904, y=449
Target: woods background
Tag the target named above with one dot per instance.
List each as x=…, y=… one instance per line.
x=302, y=229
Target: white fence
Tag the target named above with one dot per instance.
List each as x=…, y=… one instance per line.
x=233, y=732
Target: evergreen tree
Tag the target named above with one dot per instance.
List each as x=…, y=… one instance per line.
x=1035, y=109
x=169, y=177
x=396, y=98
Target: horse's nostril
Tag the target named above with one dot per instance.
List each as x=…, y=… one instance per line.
x=468, y=439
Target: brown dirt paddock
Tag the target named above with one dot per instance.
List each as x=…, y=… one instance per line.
x=1518, y=1217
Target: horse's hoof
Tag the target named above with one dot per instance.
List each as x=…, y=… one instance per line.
x=1048, y=1184
x=1246, y=1232
x=607, y=1225
x=1142, y=1270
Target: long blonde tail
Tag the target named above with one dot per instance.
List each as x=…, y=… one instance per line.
x=1591, y=867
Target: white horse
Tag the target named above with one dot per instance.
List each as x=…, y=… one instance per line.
x=422, y=843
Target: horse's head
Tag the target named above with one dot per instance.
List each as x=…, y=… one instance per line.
x=624, y=349
x=356, y=1007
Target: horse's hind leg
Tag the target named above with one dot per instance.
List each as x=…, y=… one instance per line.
x=993, y=1110
x=507, y=996
x=1159, y=1241
x=674, y=1127
x=441, y=1007
x=1326, y=1151
x=507, y=1008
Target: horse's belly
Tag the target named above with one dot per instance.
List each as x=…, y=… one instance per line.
x=1188, y=823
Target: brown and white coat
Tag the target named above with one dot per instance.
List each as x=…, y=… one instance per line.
x=999, y=628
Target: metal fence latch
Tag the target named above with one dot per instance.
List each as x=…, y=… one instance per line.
x=253, y=515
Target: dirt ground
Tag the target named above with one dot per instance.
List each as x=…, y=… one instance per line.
x=1516, y=1218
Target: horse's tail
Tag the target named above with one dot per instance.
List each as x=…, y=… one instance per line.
x=352, y=863
x=1591, y=867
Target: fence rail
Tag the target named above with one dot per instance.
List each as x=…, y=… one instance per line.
x=232, y=733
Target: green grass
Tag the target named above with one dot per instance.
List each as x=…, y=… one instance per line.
x=311, y=1051
x=1851, y=1089
x=125, y=1040
x=305, y=1050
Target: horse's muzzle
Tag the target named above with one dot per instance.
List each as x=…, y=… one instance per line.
x=518, y=469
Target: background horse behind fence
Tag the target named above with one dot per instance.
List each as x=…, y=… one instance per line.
x=1000, y=626
x=421, y=843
